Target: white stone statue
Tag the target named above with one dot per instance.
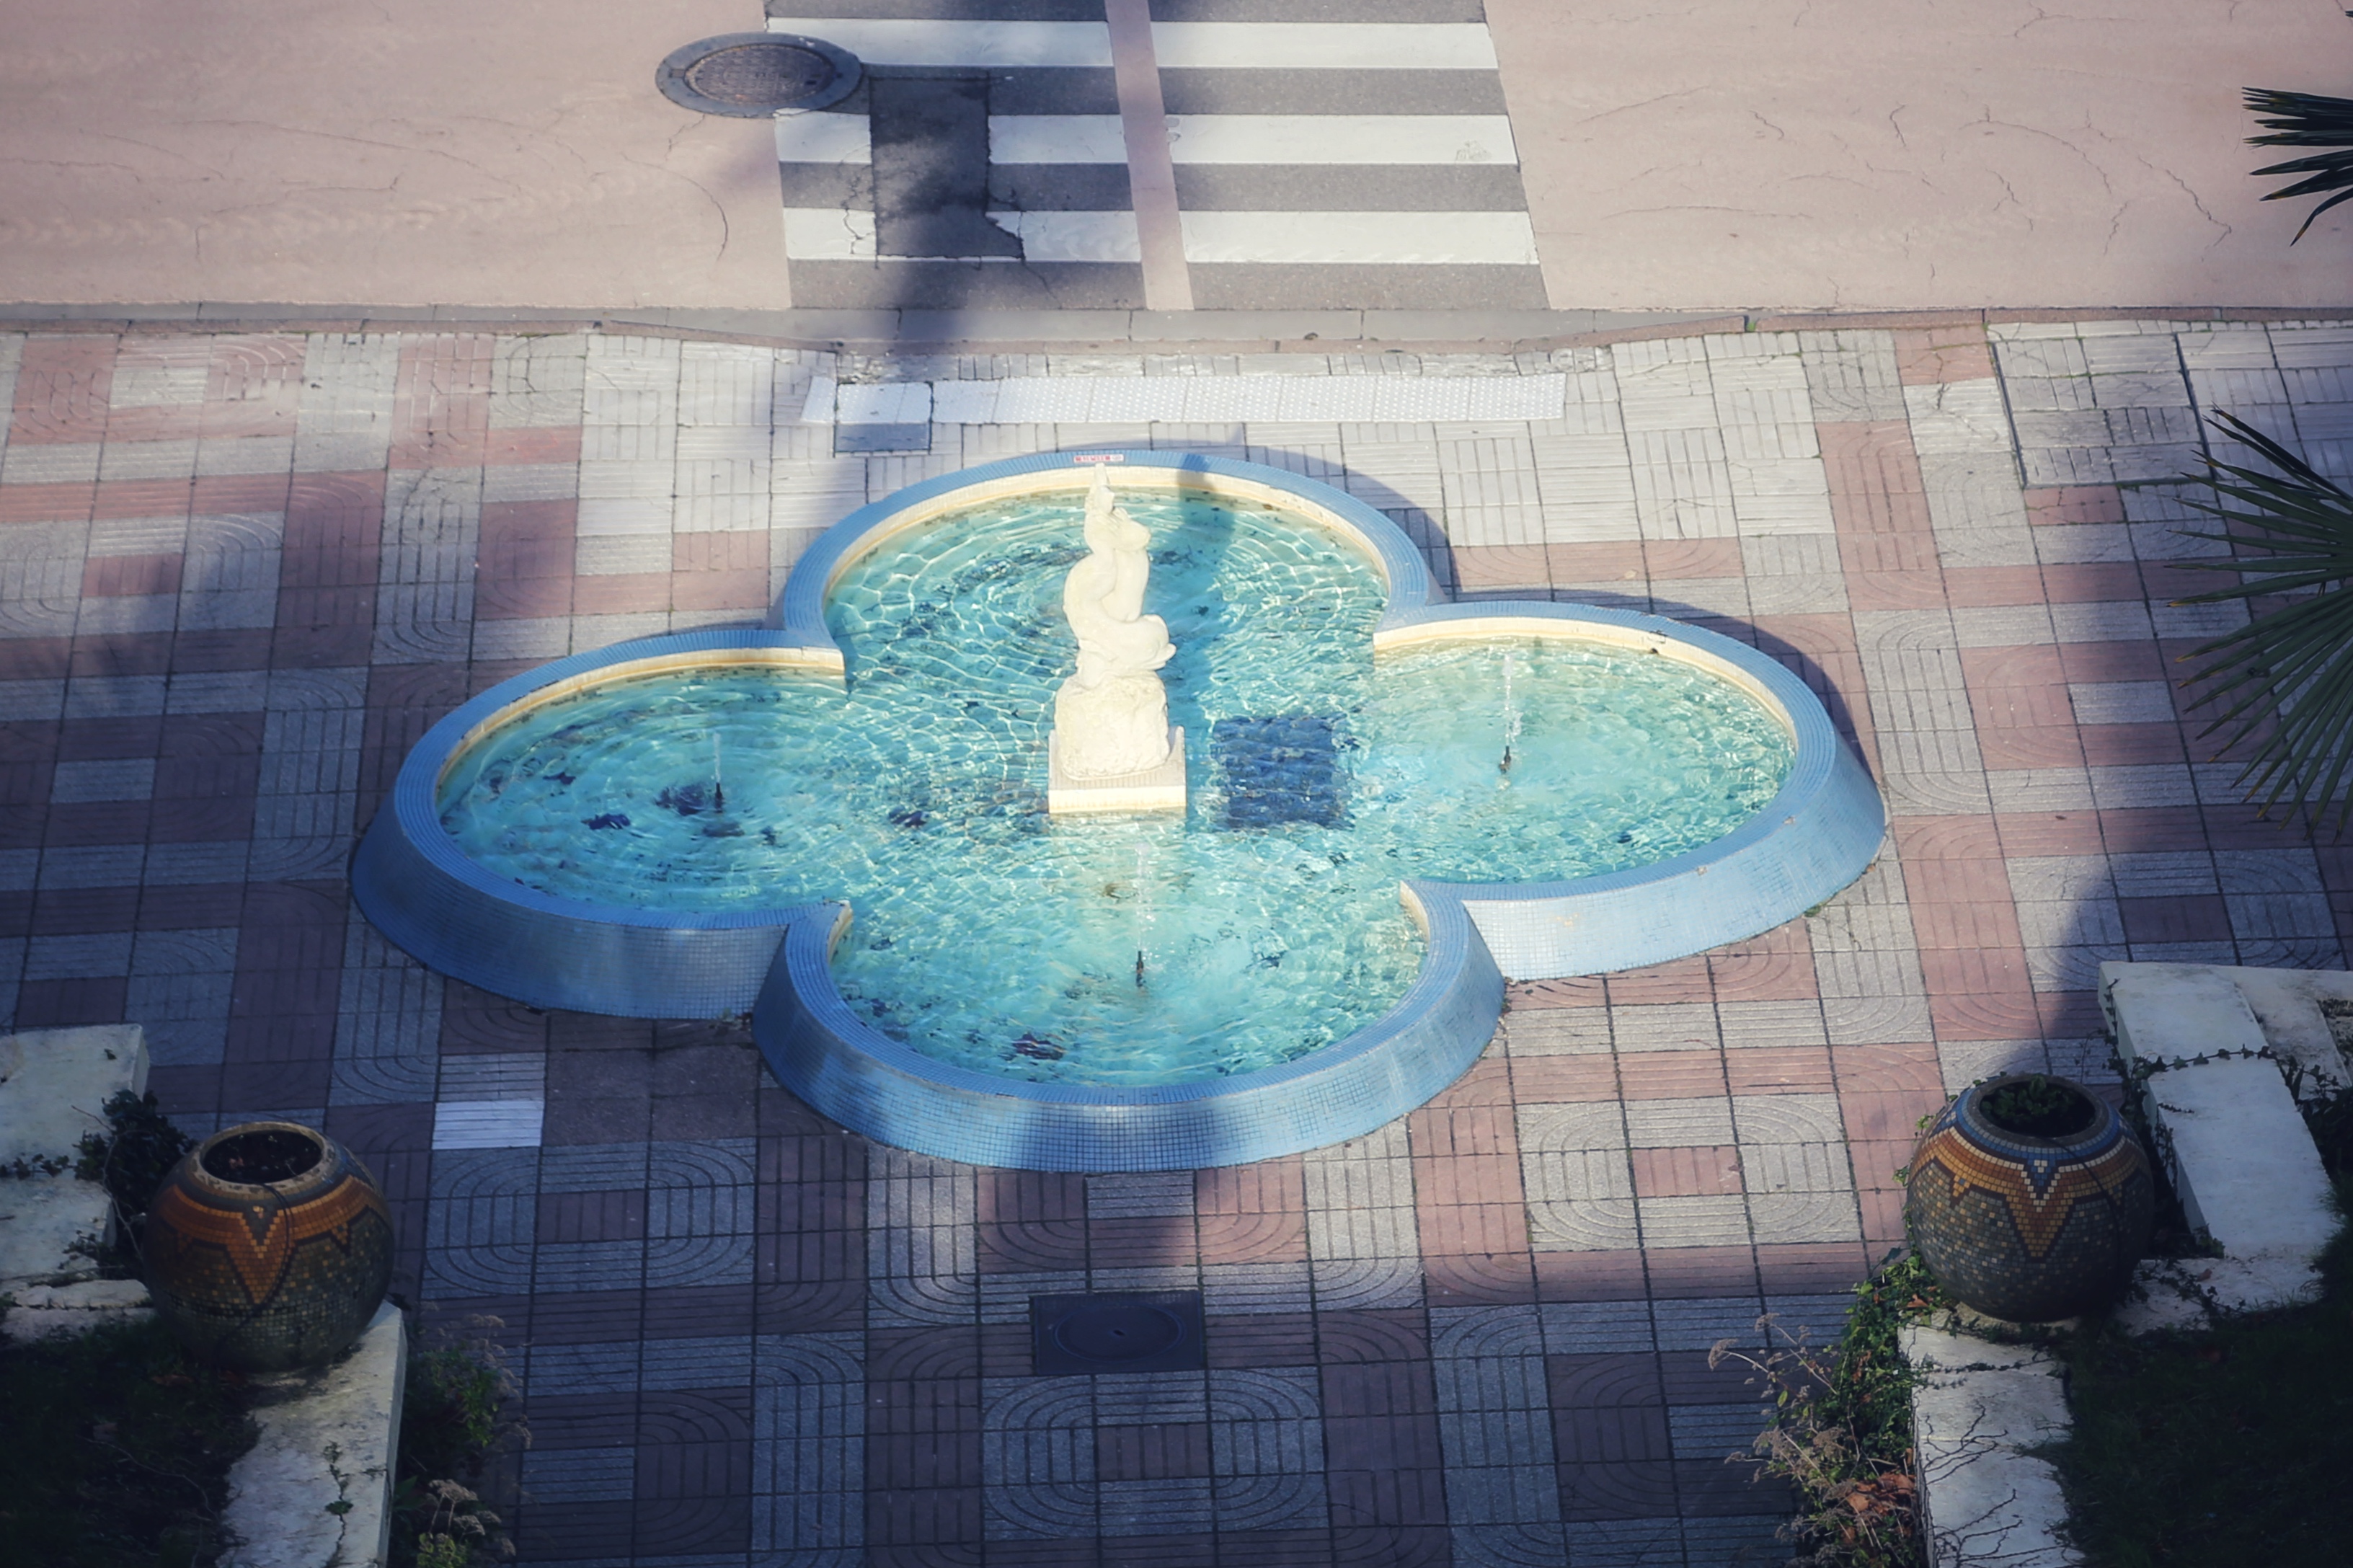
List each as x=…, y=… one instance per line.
x=1111, y=717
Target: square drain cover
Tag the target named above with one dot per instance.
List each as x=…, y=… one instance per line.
x=1116, y=1331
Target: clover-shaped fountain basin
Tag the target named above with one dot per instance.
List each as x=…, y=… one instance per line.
x=1390, y=805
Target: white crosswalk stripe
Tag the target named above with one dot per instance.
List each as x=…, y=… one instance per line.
x=1008, y=183
x=1323, y=46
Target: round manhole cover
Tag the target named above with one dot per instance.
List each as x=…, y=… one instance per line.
x=1117, y=1333
x=755, y=75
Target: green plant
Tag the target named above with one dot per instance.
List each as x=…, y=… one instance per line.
x=1842, y=1432
x=453, y=1416
x=132, y=1156
x=2222, y=1449
x=2286, y=674
x=2307, y=119
x=119, y=1449
x=2039, y=1107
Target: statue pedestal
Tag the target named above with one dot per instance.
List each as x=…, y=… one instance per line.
x=1154, y=789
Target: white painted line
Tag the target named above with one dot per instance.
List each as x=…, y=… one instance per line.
x=1056, y=139
x=1073, y=237
x=1323, y=45
x=1323, y=239
x=489, y=1123
x=824, y=139
x=905, y=43
x=1341, y=139
x=884, y=403
x=1232, y=399
x=828, y=234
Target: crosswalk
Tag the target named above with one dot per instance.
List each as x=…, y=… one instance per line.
x=1022, y=162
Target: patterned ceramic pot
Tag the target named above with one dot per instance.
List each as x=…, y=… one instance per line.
x=2030, y=1205
x=268, y=1246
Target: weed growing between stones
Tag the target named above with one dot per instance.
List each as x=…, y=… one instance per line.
x=452, y=1417
x=119, y=1449
x=1842, y=1432
x=2222, y=1449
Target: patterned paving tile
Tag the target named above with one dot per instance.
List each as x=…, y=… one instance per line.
x=240, y=575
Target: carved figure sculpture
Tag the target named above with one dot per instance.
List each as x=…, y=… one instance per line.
x=1111, y=717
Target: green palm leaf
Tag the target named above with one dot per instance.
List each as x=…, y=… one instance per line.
x=2282, y=683
x=2307, y=119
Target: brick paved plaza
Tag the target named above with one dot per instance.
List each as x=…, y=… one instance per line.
x=240, y=575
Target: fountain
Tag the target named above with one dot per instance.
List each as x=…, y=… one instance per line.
x=954, y=933
x=1112, y=748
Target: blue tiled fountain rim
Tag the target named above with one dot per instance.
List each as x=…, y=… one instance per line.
x=446, y=909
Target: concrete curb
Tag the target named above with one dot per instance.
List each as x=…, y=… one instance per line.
x=329, y=1436
x=1045, y=331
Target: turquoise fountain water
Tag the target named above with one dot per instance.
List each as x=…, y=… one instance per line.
x=1260, y=925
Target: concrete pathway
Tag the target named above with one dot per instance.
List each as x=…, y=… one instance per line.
x=1416, y=155
x=240, y=575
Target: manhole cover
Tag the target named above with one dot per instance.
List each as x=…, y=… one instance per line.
x=1131, y=1331
x=754, y=75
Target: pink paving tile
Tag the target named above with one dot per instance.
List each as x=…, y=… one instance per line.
x=2148, y=829
x=1501, y=1278
x=1700, y=1273
x=1161, y=1242
x=1564, y=1080
x=441, y=401
x=2030, y=748
x=35, y=658
x=2122, y=661
x=1874, y=478
x=2015, y=688
x=253, y=387
x=1487, y=1083
x=1992, y=586
x=1686, y=1172
x=531, y=445
x=2049, y=833
x=1910, y=554
x=1908, y=1068
x=61, y=1003
x=157, y=421
x=1575, y=991
x=1869, y=591
x=2007, y=1013
x=624, y=593
x=1959, y=837
x=2090, y=582
x=1924, y=358
x=1776, y=967
x=142, y=498
x=1597, y=562
x=1779, y=1069
x=1590, y=1276
x=1252, y=1214
x=1883, y=1216
x=719, y=590
x=2069, y=1015
x=1809, y=1268
x=1677, y=558
x=63, y=385
x=213, y=495
x=1681, y=981
x=2129, y=746
x=47, y=503
x=1671, y=1075
x=1483, y=568
x=2063, y=504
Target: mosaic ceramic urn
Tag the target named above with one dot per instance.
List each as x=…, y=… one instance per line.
x=2029, y=1199
x=268, y=1247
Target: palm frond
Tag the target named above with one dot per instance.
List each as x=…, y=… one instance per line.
x=2307, y=119
x=2284, y=682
